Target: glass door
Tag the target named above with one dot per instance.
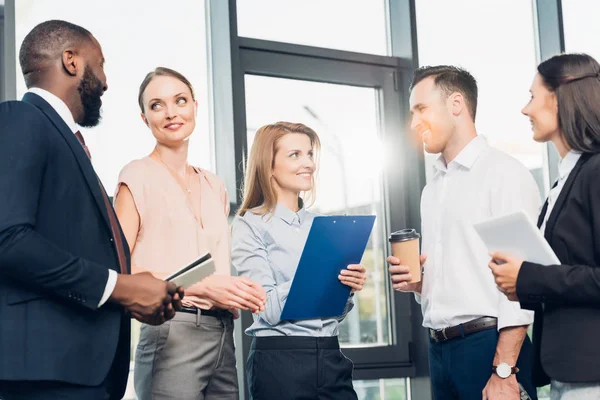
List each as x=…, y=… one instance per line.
x=367, y=165
x=349, y=176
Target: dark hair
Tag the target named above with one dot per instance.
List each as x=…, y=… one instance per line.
x=162, y=71
x=575, y=79
x=450, y=79
x=45, y=44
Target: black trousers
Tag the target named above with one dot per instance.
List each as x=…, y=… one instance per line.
x=299, y=368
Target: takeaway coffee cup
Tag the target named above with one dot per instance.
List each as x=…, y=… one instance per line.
x=405, y=247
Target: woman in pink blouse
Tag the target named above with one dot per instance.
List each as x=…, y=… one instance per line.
x=172, y=213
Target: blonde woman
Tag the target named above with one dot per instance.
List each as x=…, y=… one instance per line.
x=269, y=234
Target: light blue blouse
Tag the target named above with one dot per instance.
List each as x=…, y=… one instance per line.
x=267, y=249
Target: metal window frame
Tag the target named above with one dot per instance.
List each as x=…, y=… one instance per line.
x=550, y=37
x=2, y=55
x=8, y=60
x=305, y=63
x=262, y=57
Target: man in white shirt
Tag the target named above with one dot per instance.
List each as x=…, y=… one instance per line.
x=65, y=284
x=477, y=337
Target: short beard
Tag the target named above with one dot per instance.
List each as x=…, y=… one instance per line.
x=90, y=90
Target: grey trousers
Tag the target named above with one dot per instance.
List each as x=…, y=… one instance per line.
x=574, y=391
x=191, y=357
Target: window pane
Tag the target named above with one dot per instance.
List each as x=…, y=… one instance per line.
x=344, y=185
x=580, y=21
x=502, y=60
x=136, y=40
x=381, y=389
x=353, y=25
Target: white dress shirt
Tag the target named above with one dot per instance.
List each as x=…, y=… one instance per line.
x=565, y=167
x=63, y=111
x=458, y=286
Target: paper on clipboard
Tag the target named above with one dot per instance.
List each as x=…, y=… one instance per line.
x=516, y=235
x=193, y=273
x=333, y=243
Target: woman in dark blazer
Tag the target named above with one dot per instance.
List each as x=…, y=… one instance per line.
x=565, y=109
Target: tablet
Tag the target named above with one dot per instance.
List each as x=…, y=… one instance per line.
x=516, y=235
x=193, y=273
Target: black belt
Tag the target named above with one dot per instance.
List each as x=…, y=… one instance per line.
x=462, y=330
x=294, y=343
x=211, y=313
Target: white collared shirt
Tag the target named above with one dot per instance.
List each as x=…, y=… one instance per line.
x=63, y=111
x=58, y=105
x=458, y=286
x=565, y=167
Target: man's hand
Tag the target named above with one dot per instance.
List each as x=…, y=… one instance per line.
x=150, y=300
x=228, y=292
x=179, y=295
x=510, y=340
x=501, y=389
x=401, y=277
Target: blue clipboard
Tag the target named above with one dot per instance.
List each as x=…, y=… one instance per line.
x=333, y=243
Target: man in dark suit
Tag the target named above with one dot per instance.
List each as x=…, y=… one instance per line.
x=65, y=288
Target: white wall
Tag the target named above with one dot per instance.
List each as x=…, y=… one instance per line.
x=136, y=37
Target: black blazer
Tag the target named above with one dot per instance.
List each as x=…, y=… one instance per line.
x=56, y=247
x=566, y=298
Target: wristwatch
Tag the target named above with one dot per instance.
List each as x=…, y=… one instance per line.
x=503, y=370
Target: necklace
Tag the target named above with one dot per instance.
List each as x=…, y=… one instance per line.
x=185, y=185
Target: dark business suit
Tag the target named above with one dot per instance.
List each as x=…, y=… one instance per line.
x=56, y=248
x=566, y=298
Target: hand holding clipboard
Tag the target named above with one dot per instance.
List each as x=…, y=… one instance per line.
x=333, y=243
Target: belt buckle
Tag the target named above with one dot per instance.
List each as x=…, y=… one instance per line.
x=444, y=334
x=432, y=334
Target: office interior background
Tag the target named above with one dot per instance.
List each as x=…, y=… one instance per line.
x=342, y=67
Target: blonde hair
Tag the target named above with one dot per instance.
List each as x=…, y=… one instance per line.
x=258, y=192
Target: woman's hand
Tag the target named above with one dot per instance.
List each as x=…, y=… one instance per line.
x=228, y=292
x=354, y=276
x=506, y=270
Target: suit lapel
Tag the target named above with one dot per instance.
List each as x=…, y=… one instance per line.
x=545, y=208
x=84, y=162
x=564, y=194
x=542, y=214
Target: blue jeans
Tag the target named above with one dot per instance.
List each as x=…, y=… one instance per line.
x=460, y=368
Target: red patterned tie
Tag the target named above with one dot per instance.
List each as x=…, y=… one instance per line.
x=111, y=214
x=82, y=141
